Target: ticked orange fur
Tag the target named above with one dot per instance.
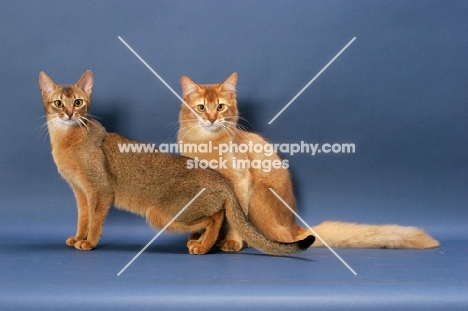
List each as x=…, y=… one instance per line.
x=154, y=185
x=216, y=122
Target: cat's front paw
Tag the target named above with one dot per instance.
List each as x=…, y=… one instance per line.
x=84, y=245
x=196, y=248
x=71, y=241
x=230, y=245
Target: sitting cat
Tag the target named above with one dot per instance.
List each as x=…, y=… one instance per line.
x=215, y=123
x=154, y=185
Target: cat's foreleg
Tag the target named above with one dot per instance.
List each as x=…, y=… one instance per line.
x=196, y=235
x=82, y=223
x=99, y=203
x=205, y=231
x=207, y=239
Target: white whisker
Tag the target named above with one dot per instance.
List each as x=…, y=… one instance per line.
x=233, y=127
x=228, y=131
x=89, y=121
x=93, y=116
x=190, y=129
x=43, y=130
x=175, y=131
x=240, y=125
x=82, y=125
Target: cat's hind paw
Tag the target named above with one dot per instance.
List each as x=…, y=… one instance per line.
x=230, y=245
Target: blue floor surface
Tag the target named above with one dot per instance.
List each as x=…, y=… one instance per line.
x=39, y=272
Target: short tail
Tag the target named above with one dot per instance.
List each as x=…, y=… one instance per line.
x=254, y=238
x=341, y=234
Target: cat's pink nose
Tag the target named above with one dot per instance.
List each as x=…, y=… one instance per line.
x=212, y=119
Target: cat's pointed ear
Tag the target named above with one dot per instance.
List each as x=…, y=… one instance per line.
x=230, y=83
x=46, y=84
x=86, y=82
x=188, y=86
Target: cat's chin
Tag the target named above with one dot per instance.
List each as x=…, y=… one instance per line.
x=69, y=122
x=212, y=128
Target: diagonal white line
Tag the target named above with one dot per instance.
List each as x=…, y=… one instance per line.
x=313, y=231
x=158, y=76
x=160, y=232
x=316, y=76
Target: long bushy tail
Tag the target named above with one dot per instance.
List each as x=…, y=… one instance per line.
x=254, y=238
x=342, y=234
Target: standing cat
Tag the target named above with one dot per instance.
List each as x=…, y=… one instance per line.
x=216, y=107
x=154, y=185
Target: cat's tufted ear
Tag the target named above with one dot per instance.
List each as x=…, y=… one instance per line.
x=86, y=82
x=230, y=83
x=46, y=84
x=188, y=86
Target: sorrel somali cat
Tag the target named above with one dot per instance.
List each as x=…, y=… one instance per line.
x=154, y=185
x=216, y=122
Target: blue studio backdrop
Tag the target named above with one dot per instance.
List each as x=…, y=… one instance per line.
x=398, y=92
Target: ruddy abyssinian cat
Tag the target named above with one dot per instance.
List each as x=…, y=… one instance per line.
x=215, y=123
x=154, y=185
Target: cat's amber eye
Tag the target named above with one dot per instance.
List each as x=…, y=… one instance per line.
x=201, y=108
x=58, y=103
x=220, y=107
x=78, y=103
